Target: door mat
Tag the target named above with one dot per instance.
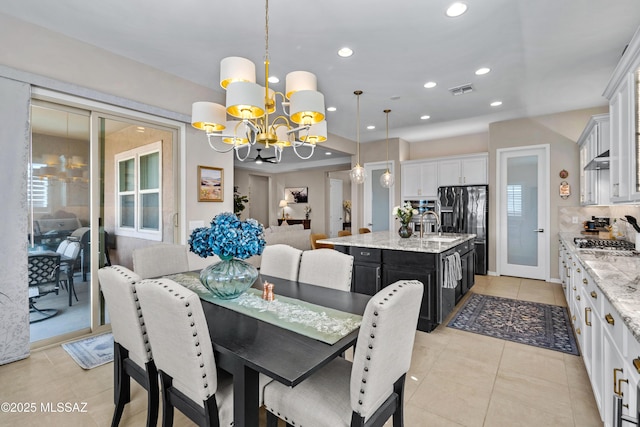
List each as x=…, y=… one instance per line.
x=540, y=325
x=91, y=352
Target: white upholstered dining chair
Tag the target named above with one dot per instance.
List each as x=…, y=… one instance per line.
x=326, y=267
x=281, y=261
x=132, y=353
x=160, y=260
x=368, y=391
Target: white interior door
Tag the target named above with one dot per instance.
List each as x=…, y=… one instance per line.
x=378, y=201
x=335, y=206
x=259, y=199
x=523, y=213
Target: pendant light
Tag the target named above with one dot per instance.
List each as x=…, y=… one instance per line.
x=387, y=179
x=358, y=174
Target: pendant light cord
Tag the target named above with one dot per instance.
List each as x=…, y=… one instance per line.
x=387, y=113
x=358, y=93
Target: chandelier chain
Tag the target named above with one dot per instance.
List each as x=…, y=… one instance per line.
x=266, y=30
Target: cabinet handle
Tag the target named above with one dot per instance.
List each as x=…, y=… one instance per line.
x=587, y=310
x=636, y=364
x=593, y=294
x=377, y=279
x=615, y=380
x=622, y=380
x=365, y=253
x=609, y=318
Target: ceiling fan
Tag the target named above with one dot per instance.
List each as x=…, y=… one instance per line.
x=259, y=159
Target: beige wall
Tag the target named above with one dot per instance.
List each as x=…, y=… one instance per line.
x=560, y=131
x=463, y=144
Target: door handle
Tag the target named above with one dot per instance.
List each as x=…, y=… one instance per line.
x=539, y=230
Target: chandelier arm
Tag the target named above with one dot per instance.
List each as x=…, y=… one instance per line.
x=211, y=135
x=295, y=149
x=254, y=128
x=283, y=119
x=238, y=148
x=278, y=152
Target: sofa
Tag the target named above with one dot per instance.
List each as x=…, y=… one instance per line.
x=292, y=235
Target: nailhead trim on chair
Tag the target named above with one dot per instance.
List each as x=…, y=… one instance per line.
x=194, y=330
x=132, y=283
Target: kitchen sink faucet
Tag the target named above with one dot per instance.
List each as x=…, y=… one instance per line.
x=435, y=215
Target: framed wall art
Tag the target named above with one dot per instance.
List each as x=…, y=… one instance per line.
x=210, y=184
x=296, y=195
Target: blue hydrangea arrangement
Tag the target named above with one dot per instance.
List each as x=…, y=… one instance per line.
x=228, y=237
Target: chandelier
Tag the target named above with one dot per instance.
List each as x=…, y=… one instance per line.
x=253, y=107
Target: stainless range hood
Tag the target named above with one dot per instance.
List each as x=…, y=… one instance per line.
x=599, y=163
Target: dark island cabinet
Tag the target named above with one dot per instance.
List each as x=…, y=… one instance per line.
x=398, y=265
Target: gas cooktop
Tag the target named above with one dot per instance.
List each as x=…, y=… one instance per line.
x=603, y=244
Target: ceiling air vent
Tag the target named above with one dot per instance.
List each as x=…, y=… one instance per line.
x=461, y=90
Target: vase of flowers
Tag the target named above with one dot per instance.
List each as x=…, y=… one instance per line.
x=404, y=213
x=307, y=211
x=233, y=241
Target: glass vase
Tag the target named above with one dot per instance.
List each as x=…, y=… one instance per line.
x=229, y=278
x=405, y=231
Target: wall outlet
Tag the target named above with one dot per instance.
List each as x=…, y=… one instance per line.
x=574, y=219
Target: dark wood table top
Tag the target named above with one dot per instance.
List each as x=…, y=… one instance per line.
x=279, y=353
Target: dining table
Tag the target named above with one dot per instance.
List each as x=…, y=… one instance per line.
x=246, y=346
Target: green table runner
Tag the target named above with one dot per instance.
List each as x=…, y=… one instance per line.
x=311, y=320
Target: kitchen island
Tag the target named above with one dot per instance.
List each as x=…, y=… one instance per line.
x=383, y=257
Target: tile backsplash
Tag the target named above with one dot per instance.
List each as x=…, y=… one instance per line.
x=584, y=213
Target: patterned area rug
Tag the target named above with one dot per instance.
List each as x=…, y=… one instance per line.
x=91, y=352
x=540, y=325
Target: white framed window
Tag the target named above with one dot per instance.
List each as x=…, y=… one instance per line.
x=138, y=174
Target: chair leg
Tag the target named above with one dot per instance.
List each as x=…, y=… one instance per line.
x=167, y=408
x=72, y=289
x=122, y=383
x=272, y=420
x=153, y=394
x=398, y=415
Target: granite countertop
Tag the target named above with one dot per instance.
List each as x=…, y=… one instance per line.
x=391, y=240
x=618, y=277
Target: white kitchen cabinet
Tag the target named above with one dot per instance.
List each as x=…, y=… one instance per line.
x=471, y=170
x=420, y=180
x=622, y=93
x=594, y=161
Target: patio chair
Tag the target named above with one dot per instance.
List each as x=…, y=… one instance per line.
x=44, y=278
x=67, y=267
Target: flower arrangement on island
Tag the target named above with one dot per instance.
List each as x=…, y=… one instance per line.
x=228, y=237
x=404, y=213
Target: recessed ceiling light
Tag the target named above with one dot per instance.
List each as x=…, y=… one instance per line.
x=482, y=71
x=345, y=52
x=425, y=117
x=430, y=85
x=456, y=9
x=395, y=97
x=331, y=108
x=496, y=103
x=371, y=127
x=274, y=79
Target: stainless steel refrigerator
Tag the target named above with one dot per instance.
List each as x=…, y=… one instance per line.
x=465, y=209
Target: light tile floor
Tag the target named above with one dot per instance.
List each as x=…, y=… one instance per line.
x=456, y=379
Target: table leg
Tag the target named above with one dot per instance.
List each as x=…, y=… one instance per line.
x=246, y=403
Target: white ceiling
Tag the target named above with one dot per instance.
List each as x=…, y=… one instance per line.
x=545, y=55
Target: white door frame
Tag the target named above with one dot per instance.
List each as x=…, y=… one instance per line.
x=368, y=183
x=500, y=208
x=335, y=205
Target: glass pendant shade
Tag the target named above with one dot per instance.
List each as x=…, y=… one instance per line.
x=358, y=174
x=307, y=107
x=317, y=133
x=208, y=116
x=300, y=80
x=236, y=69
x=386, y=179
x=237, y=132
x=245, y=100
